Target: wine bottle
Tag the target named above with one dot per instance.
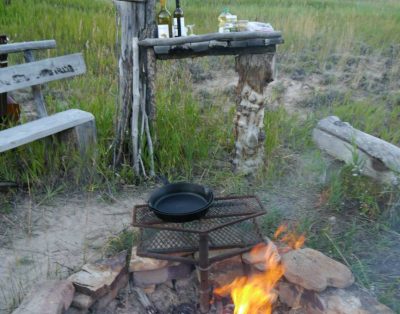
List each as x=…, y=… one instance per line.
x=179, y=21
x=164, y=21
x=3, y=96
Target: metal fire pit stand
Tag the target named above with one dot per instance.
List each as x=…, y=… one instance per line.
x=229, y=224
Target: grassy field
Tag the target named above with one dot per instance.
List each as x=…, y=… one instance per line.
x=337, y=40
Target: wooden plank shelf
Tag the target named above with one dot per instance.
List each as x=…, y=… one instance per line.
x=214, y=44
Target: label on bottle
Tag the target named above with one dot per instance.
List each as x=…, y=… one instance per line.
x=163, y=31
x=183, y=28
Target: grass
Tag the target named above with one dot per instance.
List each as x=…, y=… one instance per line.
x=89, y=26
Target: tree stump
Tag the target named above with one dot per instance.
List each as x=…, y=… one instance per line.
x=136, y=72
x=255, y=73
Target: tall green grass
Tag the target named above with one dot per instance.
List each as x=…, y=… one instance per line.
x=186, y=135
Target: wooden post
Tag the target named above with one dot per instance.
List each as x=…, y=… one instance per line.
x=137, y=20
x=36, y=89
x=255, y=73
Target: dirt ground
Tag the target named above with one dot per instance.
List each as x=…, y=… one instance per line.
x=57, y=238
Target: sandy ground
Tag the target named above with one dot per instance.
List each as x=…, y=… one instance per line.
x=63, y=235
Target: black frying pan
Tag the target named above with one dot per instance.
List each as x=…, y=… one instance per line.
x=180, y=202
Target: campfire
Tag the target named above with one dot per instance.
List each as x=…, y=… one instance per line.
x=255, y=294
x=217, y=264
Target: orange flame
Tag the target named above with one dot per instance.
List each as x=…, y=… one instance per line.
x=256, y=294
x=291, y=239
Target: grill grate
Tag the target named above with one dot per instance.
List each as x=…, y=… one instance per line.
x=223, y=212
x=240, y=235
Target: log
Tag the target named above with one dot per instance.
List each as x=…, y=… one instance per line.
x=137, y=70
x=50, y=297
x=373, y=156
x=255, y=73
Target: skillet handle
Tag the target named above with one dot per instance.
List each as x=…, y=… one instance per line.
x=207, y=190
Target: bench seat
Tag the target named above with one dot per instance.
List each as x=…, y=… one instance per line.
x=34, y=130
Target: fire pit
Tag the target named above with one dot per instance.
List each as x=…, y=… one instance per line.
x=229, y=224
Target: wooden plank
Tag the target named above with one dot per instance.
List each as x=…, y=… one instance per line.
x=151, y=42
x=36, y=89
x=31, y=131
x=206, y=49
x=28, y=45
x=39, y=72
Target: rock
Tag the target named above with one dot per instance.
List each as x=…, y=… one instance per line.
x=120, y=283
x=352, y=301
x=297, y=297
x=149, y=289
x=315, y=271
x=289, y=294
x=138, y=263
x=99, y=278
x=49, y=297
x=74, y=310
x=224, y=272
x=259, y=256
x=82, y=301
x=159, y=276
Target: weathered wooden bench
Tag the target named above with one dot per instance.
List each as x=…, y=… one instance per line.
x=80, y=124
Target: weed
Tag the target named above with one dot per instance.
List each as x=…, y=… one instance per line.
x=121, y=242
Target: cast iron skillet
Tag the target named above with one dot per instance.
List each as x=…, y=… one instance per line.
x=180, y=202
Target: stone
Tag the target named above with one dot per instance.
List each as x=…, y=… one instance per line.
x=49, y=297
x=315, y=271
x=120, y=283
x=259, y=256
x=138, y=263
x=149, y=289
x=297, y=297
x=99, y=278
x=289, y=294
x=74, y=310
x=225, y=271
x=352, y=301
x=159, y=276
x=82, y=301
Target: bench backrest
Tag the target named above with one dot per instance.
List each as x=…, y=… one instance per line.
x=39, y=72
x=33, y=73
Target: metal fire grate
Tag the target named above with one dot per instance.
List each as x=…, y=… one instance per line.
x=229, y=224
x=240, y=235
x=223, y=212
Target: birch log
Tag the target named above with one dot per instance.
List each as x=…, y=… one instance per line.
x=135, y=104
x=375, y=157
x=255, y=73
